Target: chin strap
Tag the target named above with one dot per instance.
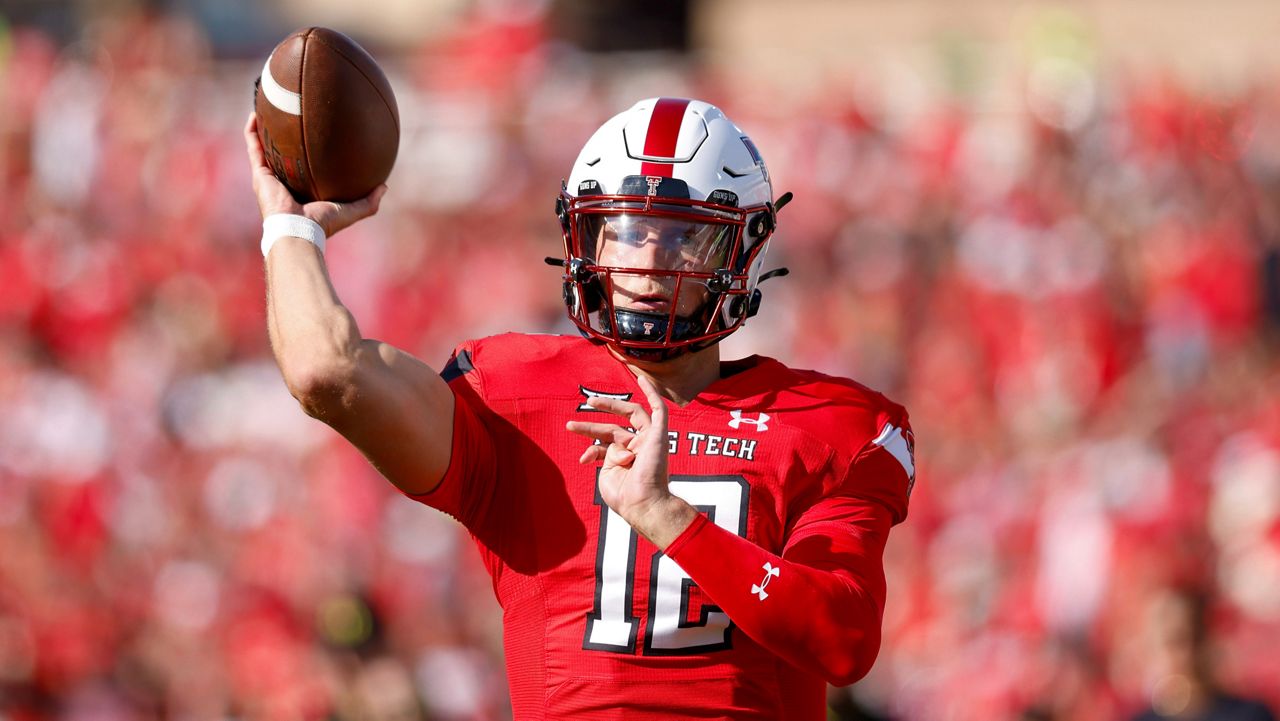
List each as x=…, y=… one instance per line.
x=752, y=302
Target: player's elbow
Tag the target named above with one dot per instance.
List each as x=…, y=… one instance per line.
x=850, y=669
x=851, y=656
x=849, y=653
x=320, y=361
x=322, y=388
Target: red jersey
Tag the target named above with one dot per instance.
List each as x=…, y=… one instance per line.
x=776, y=589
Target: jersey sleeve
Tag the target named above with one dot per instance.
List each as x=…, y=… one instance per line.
x=468, y=485
x=820, y=603
x=884, y=470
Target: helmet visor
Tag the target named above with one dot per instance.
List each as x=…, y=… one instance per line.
x=629, y=240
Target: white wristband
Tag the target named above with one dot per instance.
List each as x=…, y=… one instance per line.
x=283, y=225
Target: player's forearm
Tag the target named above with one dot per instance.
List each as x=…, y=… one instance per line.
x=315, y=339
x=819, y=621
x=662, y=522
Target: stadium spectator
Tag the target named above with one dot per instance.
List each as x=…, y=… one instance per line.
x=1181, y=665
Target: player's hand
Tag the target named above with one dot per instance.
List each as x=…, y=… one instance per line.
x=274, y=198
x=633, y=477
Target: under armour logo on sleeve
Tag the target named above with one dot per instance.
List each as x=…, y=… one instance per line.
x=761, y=423
x=770, y=572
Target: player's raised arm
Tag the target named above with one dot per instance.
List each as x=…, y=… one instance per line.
x=391, y=406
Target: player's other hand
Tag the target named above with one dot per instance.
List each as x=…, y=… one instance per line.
x=633, y=475
x=274, y=198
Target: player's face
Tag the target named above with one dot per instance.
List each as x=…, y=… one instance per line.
x=668, y=244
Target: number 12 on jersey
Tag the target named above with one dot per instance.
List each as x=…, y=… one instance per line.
x=612, y=624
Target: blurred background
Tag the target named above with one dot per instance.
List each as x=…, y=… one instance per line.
x=1052, y=230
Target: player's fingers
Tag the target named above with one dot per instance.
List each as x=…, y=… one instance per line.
x=612, y=405
x=273, y=197
x=634, y=412
x=592, y=454
x=257, y=159
x=603, y=432
x=657, y=404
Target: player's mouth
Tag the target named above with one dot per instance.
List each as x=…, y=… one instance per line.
x=652, y=303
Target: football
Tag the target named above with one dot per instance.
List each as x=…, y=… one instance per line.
x=327, y=117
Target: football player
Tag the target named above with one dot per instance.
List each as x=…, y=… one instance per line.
x=669, y=534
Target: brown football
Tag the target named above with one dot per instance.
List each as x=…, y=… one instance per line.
x=326, y=116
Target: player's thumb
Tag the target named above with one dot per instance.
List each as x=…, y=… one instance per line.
x=369, y=204
x=337, y=216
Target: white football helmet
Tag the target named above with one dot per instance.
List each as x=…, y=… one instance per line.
x=666, y=217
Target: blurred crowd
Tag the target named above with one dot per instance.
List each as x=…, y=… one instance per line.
x=1078, y=300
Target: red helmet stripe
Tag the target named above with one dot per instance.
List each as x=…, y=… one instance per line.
x=664, y=132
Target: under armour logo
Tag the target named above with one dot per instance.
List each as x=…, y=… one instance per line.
x=770, y=572
x=761, y=423
x=588, y=393
x=653, y=182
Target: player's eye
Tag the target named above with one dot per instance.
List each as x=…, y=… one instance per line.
x=622, y=230
x=632, y=237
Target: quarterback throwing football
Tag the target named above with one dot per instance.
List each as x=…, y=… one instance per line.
x=669, y=535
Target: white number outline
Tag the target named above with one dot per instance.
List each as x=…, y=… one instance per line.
x=609, y=620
